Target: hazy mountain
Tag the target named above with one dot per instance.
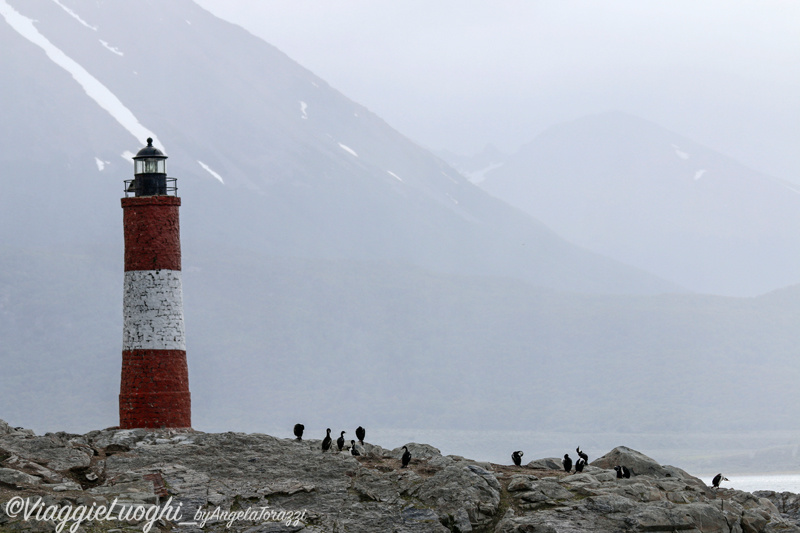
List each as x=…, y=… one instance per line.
x=268, y=156
x=631, y=190
x=475, y=167
x=334, y=271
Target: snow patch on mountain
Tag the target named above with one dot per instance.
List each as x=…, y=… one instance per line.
x=101, y=165
x=93, y=88
x=699, y=174
x=680, y=153
x=394, y=175
x=75, y=15
x=303, y=108
x=478, y=176
x=448, y=176
x=113, y=49
x=210, y=171
x=347, y=149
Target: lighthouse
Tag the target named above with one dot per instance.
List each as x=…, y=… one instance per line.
x=154, y=390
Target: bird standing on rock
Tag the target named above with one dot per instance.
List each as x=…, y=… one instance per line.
x=406, y=457
x=719, y=478
x=579, y=464
x=567, y=463
x=360, y=434
x=298, y=431
x=623, y=472
x=582, y=455
x=340, y=441
x=326, y=442
x=517, y=457
x=353, y=450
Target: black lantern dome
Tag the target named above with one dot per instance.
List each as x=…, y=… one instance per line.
x=149, y=171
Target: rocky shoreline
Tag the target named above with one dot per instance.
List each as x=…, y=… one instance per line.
x=185, y=480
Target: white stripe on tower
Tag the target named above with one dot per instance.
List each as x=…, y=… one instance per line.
x=153, y=310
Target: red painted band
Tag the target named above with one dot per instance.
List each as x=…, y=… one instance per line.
x=154, y=390
x=152, y=233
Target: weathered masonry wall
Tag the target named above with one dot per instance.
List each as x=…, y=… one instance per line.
x=153, y=310
x=154, y=388
x=152, y=233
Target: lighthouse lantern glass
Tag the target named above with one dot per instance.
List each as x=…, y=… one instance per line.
x=150, y=166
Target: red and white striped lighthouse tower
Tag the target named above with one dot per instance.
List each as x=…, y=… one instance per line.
x=154, y=391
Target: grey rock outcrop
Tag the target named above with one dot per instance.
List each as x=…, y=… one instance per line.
x=210, y=476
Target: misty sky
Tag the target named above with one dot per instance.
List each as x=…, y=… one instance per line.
x=456, y=75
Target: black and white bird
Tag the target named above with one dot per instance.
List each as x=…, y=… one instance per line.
x=579, y=464
x=360, y=434
x=517, y=457
x=326, y=442
x=353, y=450
x=406, y=457
x=566, y=462
x=582, y=455
x=622, y=472
x=719, y=478
x=298, y=431
x=340, y=441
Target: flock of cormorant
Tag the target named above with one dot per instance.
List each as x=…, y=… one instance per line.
x=623, y=472
x=327, y=441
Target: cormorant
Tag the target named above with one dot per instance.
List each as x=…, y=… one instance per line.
x=326, y=442
x=567, y=462
x=353, y=450
x=517, y=457
x=719, y=478
x=406, y=457
x=340, y=441
x=360, y=434
x=579, y=464
x=622, y=472
x=298, y=431
x=582, y=455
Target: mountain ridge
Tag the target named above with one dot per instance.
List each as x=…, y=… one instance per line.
x=659, y=201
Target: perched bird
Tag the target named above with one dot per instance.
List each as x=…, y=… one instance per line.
x=340, y=441
x=719, y=478
x=622, y=472
x=406, y=457
x=353, y=450
x=579, y=464
x=567, y=463
x=298, y=431
x=326, y=442
x=360, y=434
x=517, y=457
x=582, y=455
